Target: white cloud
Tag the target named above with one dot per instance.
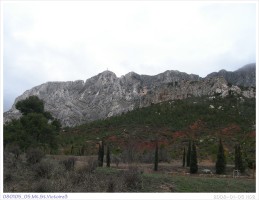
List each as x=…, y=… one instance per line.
x=47, y=41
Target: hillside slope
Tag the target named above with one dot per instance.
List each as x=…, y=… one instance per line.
x=173, y=124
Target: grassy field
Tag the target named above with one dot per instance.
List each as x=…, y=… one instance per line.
x=164, y=182
x=158, y=182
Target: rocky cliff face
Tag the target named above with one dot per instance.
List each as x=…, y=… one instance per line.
x=106, y=95
x=244, y=76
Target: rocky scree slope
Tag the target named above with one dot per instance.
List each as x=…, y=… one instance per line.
x=106, y=95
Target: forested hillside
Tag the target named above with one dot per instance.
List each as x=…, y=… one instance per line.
x=173, y=124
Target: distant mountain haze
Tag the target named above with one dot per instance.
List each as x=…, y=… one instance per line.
x=245, y=76
x=106, y=95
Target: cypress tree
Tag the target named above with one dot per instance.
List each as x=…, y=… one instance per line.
x=236, y=156
x=184, y=157
x=189, y=154
x=156, y=158
x=221, y=160
x=193, y=160
x=108, y=158
x=238, y=159
x=100, y=153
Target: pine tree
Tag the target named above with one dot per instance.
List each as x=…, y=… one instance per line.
x=108, y=158
x=156, y=158
x=184, y=157
x=221, y=159
x=238, y=159
x=193, y=160
x=35, y=128
x=189, y=154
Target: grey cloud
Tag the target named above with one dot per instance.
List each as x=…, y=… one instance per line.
x=143, y=39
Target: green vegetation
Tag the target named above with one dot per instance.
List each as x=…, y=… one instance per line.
x=238, y=159
x=189, y=154
x=36, y=128
x=108, y=157
x=175, y=123
x=184, y=155
x=67, y=174
x=221, y=159
x=153, y=183
x=193, y=160
x=100, y=153
x=31, y=105
x=156, y=158
x=129, y=138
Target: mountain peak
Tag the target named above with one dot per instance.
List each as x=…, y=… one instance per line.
x=107, y=73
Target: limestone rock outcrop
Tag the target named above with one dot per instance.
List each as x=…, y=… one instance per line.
x=106, y=95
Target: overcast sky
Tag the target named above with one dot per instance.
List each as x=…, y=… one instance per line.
x=62, y=41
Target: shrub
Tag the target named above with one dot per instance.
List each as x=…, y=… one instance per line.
x=163, y=154
x=43, y=185
x=111, y=186
x=147, y=157
x=239, y=165
x=76, y=177
x=69, y=163
x=184, y=157
x=92, y=164
x=43, y=169
x=14, y=149
x=8, y=177
x=34, y=156
x=9, y=160
x=132, y=179
x=116, y=160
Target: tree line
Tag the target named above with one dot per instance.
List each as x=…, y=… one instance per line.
x=189, y=158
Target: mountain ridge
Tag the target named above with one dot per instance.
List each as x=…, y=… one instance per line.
x=244, y=76
x=106, y=95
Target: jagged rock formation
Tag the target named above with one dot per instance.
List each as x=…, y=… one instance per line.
x=245, y=76
x=106, y=95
